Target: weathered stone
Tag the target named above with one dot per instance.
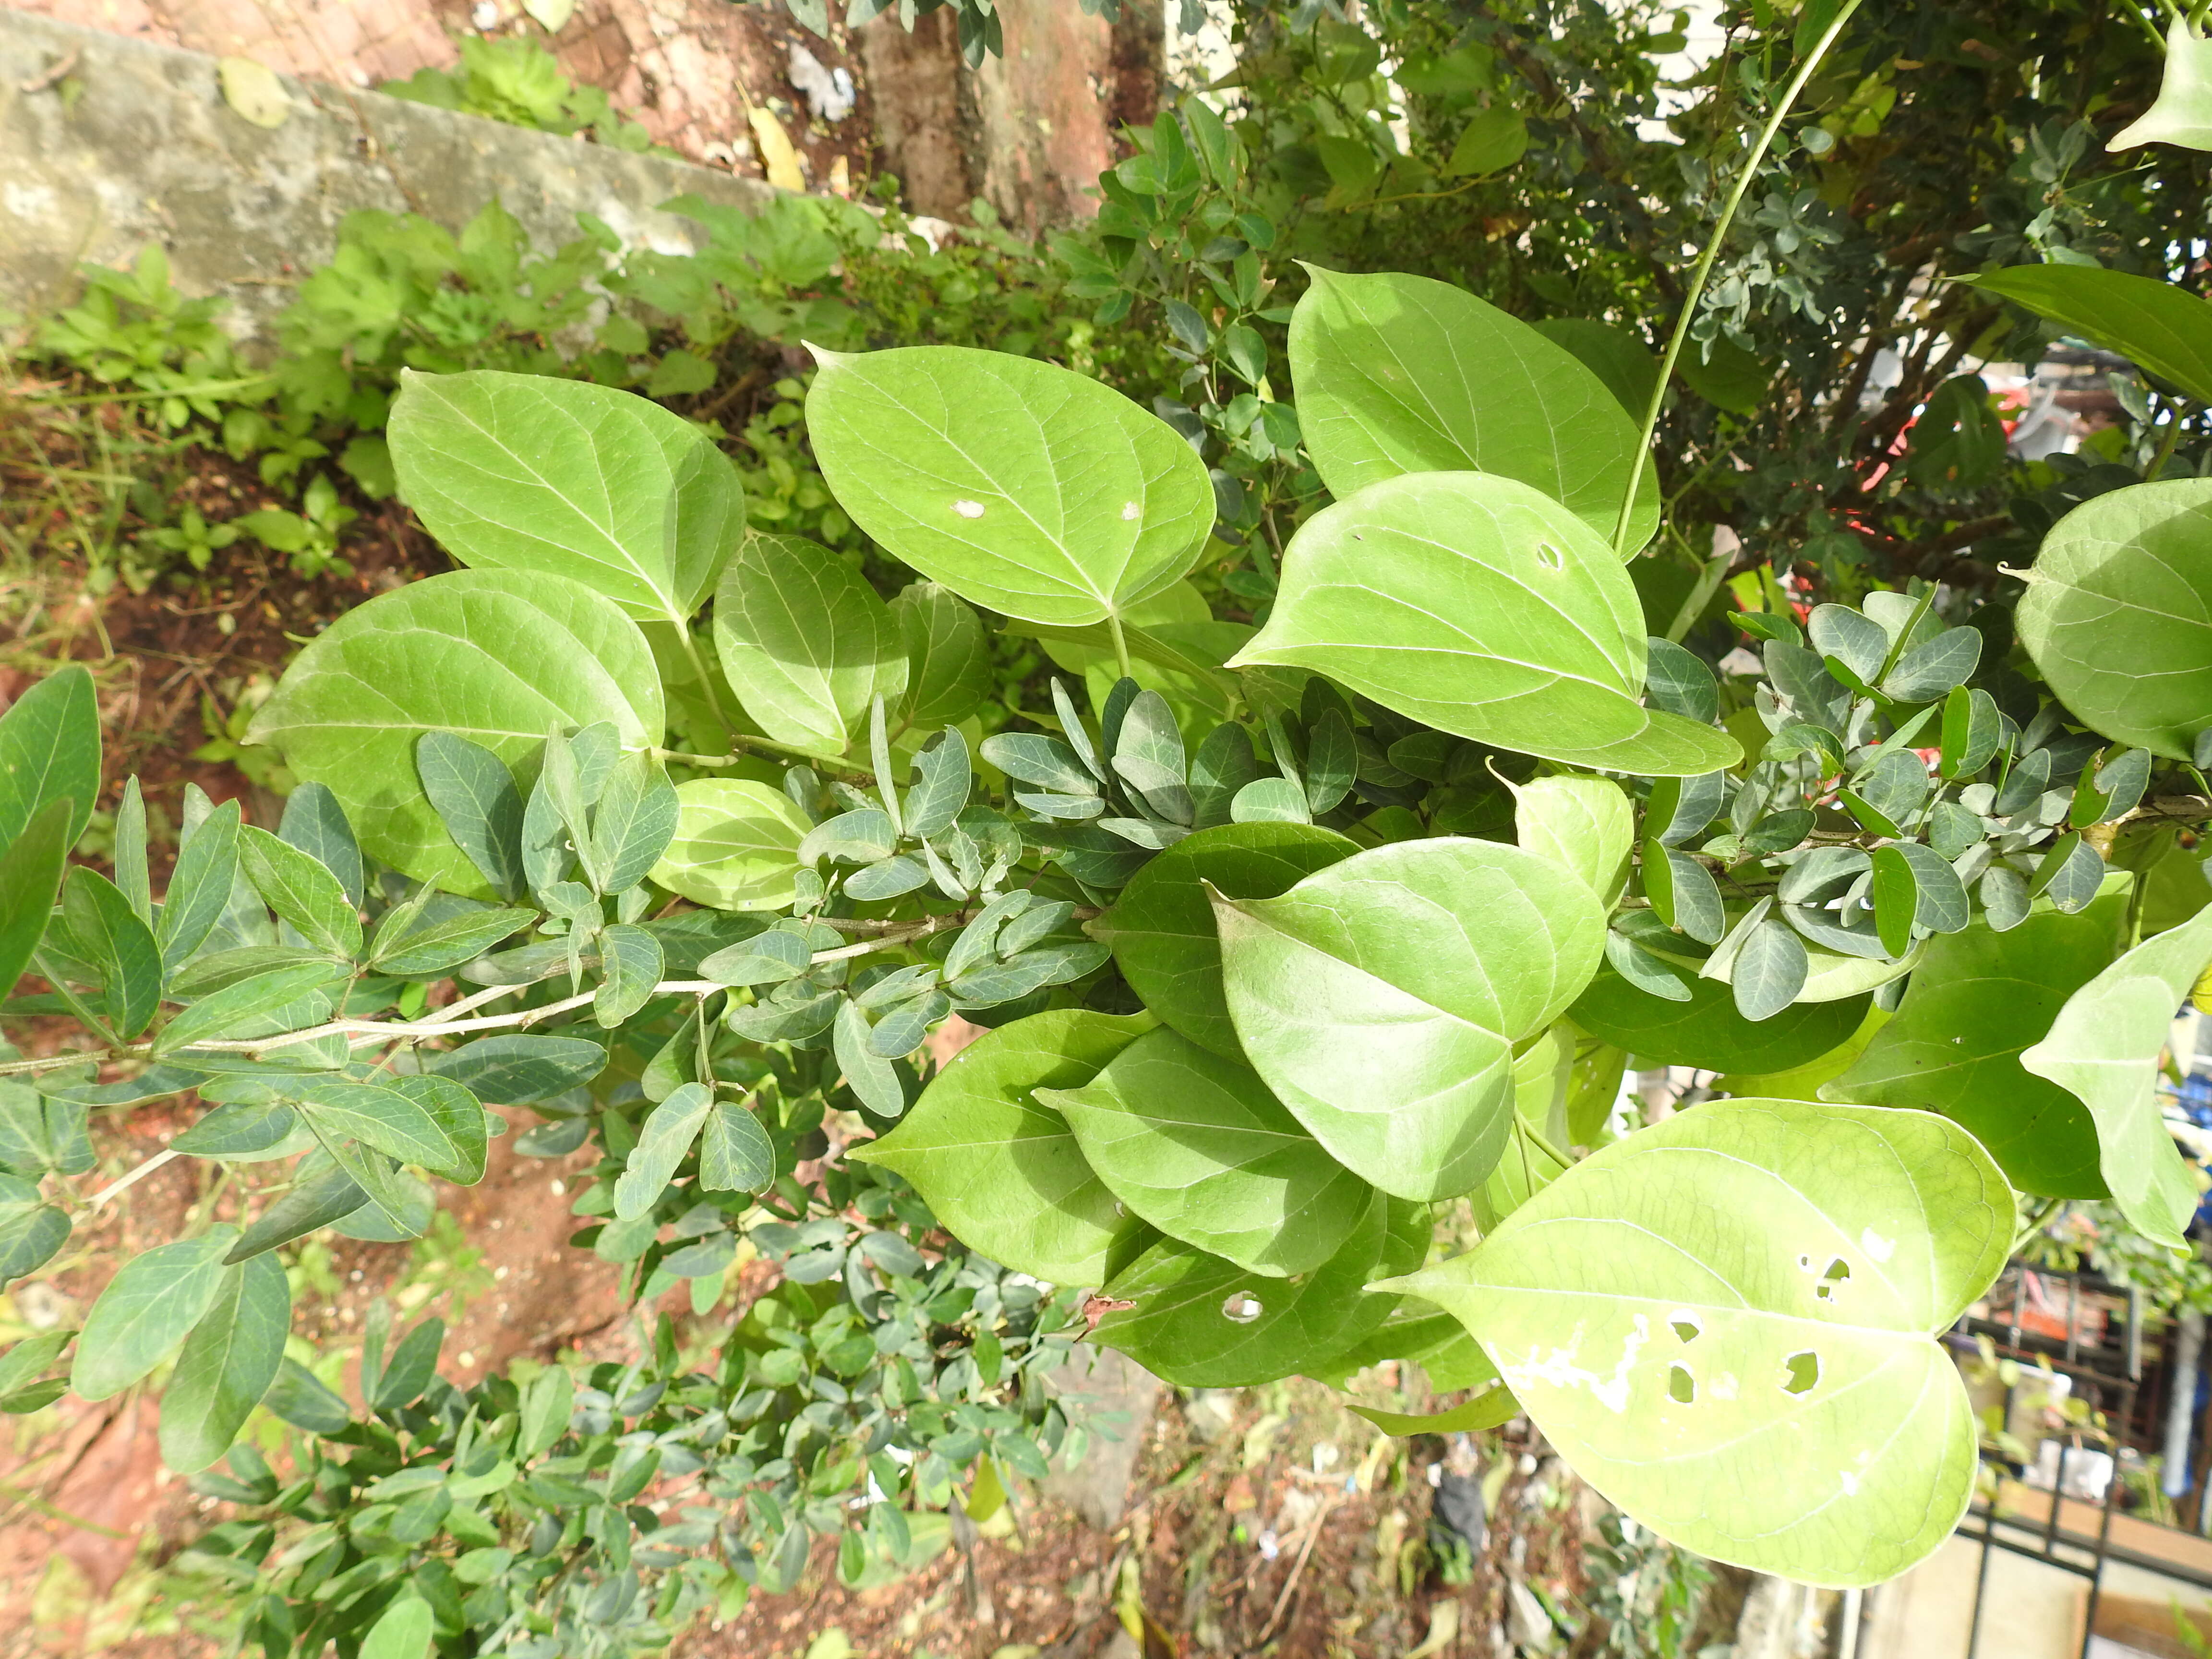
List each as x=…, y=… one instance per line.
x=149, y=152
x=1117, y=1397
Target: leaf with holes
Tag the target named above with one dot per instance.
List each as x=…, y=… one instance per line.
x=1162, y=930
x=1398, y=374
x=1479, y=606
x=1750, y=1367
x=2117, y=613
x=1196, y=1145
x=1025, y=488
x=1385, y=1021
x=2105, y=1048
x=1001, y=1170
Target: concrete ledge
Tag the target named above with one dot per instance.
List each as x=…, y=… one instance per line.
x=147, y=151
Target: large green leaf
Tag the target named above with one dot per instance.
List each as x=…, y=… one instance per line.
x=1707, y=1032
x=804, y=641
x=1000, y=1169
x=1381, y=998
x=1161, y=929
x=30, y=875
x=2167, y=330
x=2105, y=1047
x=1202, y=1322
x=1481, y=607
x=1031, y=489
x=547, y=476
x=1398, y=373
x=1727, y=1325
x=1977, y=1000
x=735, y=845
x=1196, y=1145
x=146, y=1309
x=2118, y=613
x=228, y=1362
x=497, y=657
x=49, y=751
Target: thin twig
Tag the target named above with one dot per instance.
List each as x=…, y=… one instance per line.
x=114, y=1187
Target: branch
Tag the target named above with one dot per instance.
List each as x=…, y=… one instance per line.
x=137, y=1175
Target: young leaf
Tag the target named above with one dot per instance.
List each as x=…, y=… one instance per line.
x=634, y=822
x=314, y=823
x=298, y=1397
x=1679, y=683
x=2105, y=1046
x=735, y=845
x=30, y=875
x=146, y=1309
x=1477, y=605
x=1002, y=1171
x=118, y=945
x=943, y=779
x=526, y=477
x=132, y=875
x=668, y=1132
x=243, y=1002
x=768, y=959
x=228, y=1362
x=1383, y=1022
x=1197, y=1146
x=1203, y=1322
x=1224, y=765
x=804, y=641
x=1403, y=375
x=49, y=751
x=426, y=952
x=376, y=1114
x=1753, y=1368
x=30, y=1231
x=1028, y=489
x=2119, y=616
x=408, y=1371
x=735, y=1154
x=460, y=1116
x=1977, y=999
x=1161, y=929
x=474, y=796
x=1769, y=970
x=489, y=655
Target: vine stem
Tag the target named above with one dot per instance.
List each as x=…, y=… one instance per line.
x=117, y=1187
x=1121, y=643
x=1704, y=269
x=742, y=744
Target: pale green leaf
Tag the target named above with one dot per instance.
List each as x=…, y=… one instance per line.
x=2182, y=113
x=146, y=1311
x=1479, y=606
x=804, y=641
x=1728, y=1325
x=947, y=653
x=2105, y=1048
x=1025, y=488
x=666, y=1136
x=1399, y=373
x=1585, y=824
x=1003, y=1171
x=545, y=477
x=2117, y=613
x=1196, y=1145
x=496, y=657
x=735, y=845
x=1385, y=1019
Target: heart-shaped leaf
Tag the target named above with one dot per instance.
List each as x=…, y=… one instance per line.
x=1028, y=489
x=1196, y=1145
x=736, y=846
x=806, y=643
x=1728, y=1325
x=2117, y=613
x=1481, y=606
x=1399, y=373
x=497, y=657
x=1385, y=1021
x=1000, y=1169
